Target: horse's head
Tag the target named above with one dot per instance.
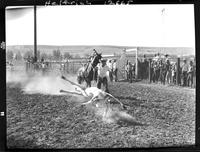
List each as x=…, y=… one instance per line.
x=96, y=60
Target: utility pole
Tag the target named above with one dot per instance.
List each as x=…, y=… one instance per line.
x=35, y=34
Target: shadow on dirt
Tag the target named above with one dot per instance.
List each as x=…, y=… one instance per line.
x=124, y=119
x=19, y=143
x=133, y=80
x=130, y=98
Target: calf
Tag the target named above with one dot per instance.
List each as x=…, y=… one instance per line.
x=93, y=93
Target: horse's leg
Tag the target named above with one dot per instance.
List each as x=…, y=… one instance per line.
x=89, y=83
x=79, y=79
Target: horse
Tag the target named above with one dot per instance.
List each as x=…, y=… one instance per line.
x=88, y=72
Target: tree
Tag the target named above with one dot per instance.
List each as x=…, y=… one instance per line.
x=18, y=56
x=86, y=55
x=38, y=55
x=77, y=56
x=56, y=54
x=9, y=55
x=44, y=56
x=67, y=55
x=49, y=56
x=28, y=54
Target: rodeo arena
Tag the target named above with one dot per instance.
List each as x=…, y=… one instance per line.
x=130, y=99
x=103, y=101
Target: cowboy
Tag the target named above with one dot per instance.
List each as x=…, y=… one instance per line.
x=110, y=65
x=94, y=53
x=154, y=72
x=43, y=66
x=102, y=75
x=143, y=67
x=115, y=70
x=126, y=70
x=174, y=69
x=166, y=58
x=184, y=72
x=190, y=74
x=168, y=71
x=129, y=71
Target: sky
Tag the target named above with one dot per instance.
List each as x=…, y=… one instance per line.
x=120, y=25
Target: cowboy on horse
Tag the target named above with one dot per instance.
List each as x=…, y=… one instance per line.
x=88, y=72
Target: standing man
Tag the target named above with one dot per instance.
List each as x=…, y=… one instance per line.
x=144, y=67
x=190, y=74
x=184, y=72
x=110, y=65
x=115, y=70
x=168, y=72
x=102, y=76
x=127, y=70
x=194, y=73
x=130, y=71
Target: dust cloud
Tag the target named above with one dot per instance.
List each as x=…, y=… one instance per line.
x=52, y=84
x=38, y=83
x=114, y=114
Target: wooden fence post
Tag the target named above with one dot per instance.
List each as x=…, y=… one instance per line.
x=178, y=81
x=150, y=70
x=136, y=66
x=73, y=67
x=67, y=66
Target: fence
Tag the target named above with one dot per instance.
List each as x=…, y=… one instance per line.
x=72, y=66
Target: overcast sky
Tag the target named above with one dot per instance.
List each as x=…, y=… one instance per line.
x=121, y=25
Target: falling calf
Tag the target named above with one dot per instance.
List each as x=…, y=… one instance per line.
x=93, y=93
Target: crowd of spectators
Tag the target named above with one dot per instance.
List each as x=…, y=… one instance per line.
x=163, y=70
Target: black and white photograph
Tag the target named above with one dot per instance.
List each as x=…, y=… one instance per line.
x=100, y=76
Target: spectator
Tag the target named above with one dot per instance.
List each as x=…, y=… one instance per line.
x=115, y=70
x=129, y=69
x=157, y=70
x=143, y=67
x=168, y=71
x=155, y=67
x=42, y=60
x=190, y=74
x=184, y=72
x=102, y=77
x=110, y=65
x=162, y=67
x=43, y=65
x=174, y=69
x=166, y=58
x=194, y=73
x=126, y=70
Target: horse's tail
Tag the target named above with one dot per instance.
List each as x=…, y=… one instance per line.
x=79, y=79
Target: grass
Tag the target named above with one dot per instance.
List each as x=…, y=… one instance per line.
x=50, y=121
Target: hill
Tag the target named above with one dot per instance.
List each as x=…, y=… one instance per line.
x=82, y=50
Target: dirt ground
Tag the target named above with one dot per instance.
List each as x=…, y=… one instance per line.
x=161, y=116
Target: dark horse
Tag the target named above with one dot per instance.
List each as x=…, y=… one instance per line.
x=89, y=72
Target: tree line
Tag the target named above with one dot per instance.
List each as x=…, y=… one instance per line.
x=55, y=55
